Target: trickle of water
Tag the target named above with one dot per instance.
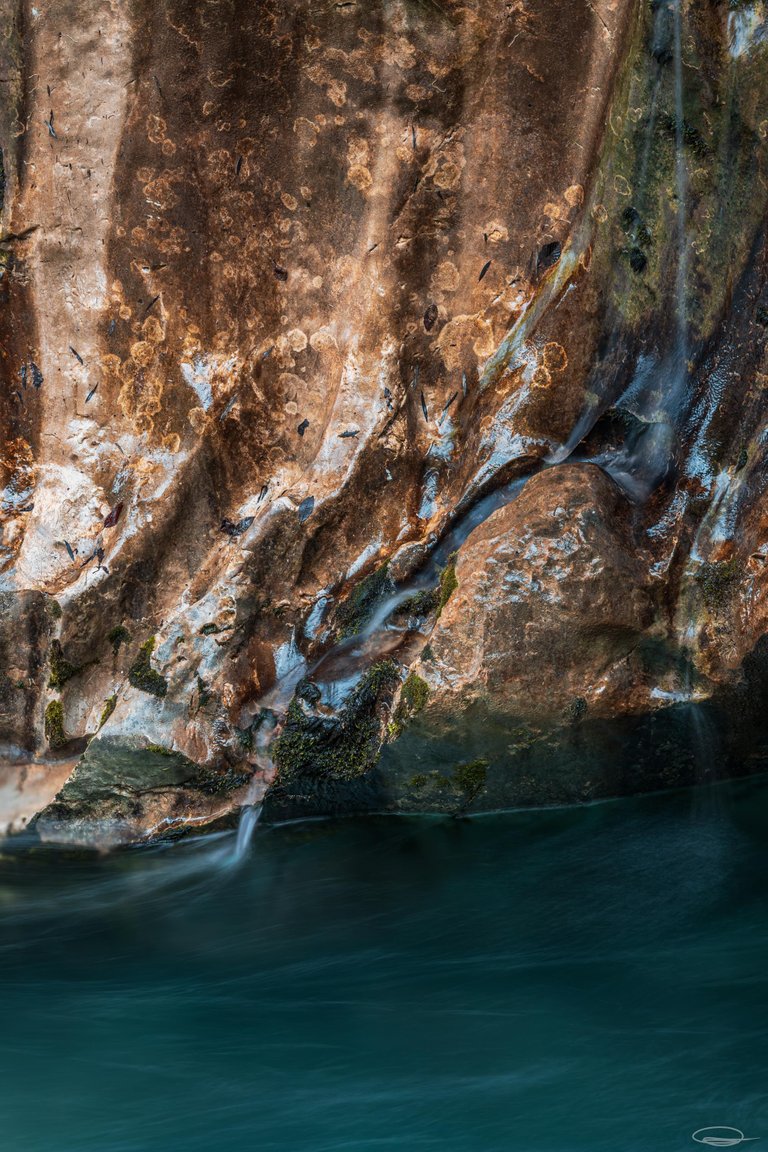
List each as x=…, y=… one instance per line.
x=249, y=818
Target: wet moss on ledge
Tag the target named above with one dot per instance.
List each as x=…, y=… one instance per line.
x=415, y=693
x=421, y=603
x=54, y=725
x=143, y=676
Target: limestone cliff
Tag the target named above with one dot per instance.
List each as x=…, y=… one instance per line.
x=383, y=403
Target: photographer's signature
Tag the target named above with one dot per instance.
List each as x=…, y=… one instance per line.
x=721, y=1137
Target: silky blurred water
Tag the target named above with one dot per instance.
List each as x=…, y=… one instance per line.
x=591, y=979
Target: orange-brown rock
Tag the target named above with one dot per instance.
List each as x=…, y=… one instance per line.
x=551, y=609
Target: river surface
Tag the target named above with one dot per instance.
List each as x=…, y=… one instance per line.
x=590, y=980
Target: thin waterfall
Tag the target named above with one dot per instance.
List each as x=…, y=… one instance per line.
x=249, y=818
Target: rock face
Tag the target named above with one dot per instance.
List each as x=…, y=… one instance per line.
x=292, y=296
x=552, y=604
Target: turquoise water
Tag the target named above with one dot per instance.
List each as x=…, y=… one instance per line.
x=592, y=979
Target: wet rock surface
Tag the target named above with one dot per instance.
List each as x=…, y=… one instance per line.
x=296, y=302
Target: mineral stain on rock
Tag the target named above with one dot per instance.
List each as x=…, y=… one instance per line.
x=499, y=307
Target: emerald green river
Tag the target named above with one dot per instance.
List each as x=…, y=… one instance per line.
x=581, y=980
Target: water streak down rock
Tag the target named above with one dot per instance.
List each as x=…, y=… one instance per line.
x=378, y=261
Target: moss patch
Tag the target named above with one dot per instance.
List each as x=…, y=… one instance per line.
x=342, y=748
x=419, y=781
x=117, y=636
x=463, y=785
x=415, y=692
x=109, y=706
x=54, y=725
x=142, y=675
x=61, y=669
